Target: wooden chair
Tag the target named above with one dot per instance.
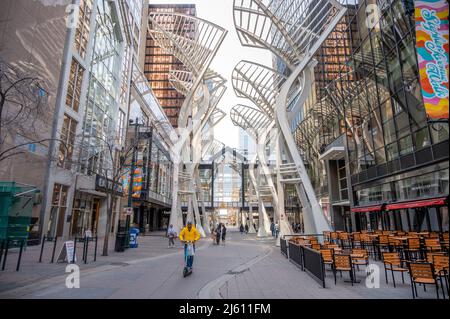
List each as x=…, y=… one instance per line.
x=313, y=240
x=413, y=234
x=395, y=245
x=334, y=237
x=441, y=268
x=414, y=249
x=393, y=263
x=327, y=256
x=382, y=244
x=432, y=244
x=356, y=240
x=343, y=263
x=367, y=243
x=422, y=273
x=315, y=246
x=360, y=257
x=344, y=239
x=432, y=254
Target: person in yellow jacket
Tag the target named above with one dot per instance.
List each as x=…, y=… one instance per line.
x=189, y=234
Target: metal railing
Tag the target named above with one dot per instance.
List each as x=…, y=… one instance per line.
x=305, y=258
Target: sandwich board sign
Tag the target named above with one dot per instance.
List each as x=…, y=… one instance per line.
x=67, y=253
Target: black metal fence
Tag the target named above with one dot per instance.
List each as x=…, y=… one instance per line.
x=7, y=243
x=295, y=254
x=313, y=264
x=85, y=240
x=284, y=246
x=307, y=259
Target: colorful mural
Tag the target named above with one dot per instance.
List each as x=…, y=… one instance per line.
x=432, y=43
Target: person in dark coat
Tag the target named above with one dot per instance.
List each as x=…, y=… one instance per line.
x=224, y=233
x=241, y=229
x=218, y=233
x=246, y=228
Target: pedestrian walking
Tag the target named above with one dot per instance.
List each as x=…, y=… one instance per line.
x=218, y=233
x=224, y=233
x=213, y=234
x=246, y=228
x=277, y=230
x=272, y=228
x=171, y=233
x=241, y=229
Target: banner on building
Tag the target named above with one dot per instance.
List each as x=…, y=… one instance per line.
x=126, y=180
x=432, y=43
x=137, y=182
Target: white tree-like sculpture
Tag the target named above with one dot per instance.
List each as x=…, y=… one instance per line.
x=258, y=125
x=194, y=42
x=182, y=81
x=293, y=30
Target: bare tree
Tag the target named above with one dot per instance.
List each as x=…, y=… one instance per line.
x=115, y=161
x=23, y=104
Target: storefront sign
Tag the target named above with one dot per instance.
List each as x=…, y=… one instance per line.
x=432, y=41
x=104, y=184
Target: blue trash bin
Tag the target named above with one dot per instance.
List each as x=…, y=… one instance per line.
x=134, y=232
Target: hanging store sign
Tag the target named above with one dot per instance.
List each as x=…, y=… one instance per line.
x=432, y=41
x=126, y=180
x=137, y=182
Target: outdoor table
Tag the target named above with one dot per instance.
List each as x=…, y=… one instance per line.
x=401, y=238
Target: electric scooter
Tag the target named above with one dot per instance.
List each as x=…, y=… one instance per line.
x=187, y=270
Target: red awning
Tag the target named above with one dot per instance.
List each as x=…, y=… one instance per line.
x=366, y=209
x=417, y=203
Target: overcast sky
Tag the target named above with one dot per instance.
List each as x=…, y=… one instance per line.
x=231, y=52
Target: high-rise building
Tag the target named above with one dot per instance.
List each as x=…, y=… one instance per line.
x=85, y=61
x=247, y=145
x=158, y=64
x=375, y=158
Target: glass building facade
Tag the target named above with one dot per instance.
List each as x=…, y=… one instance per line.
x=158, y=64
x=367, y=97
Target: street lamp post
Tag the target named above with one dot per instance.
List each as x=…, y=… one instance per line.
x=130, y=188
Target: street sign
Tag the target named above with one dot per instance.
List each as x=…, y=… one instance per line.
x=67, y=253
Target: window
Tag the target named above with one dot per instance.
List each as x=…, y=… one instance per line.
x=439, y=133
x=421, y=139
x=406, y=145
x=82, y=32
x=402, y=124
x=74, y=86
x=120, y=127
x=343, y=189
x=66, y=145
x=389, y=131
x=58, y=211
x=392, y=151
